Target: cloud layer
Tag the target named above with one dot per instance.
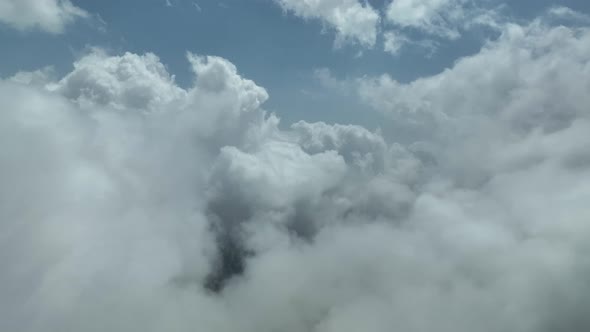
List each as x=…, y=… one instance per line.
x=132, y=204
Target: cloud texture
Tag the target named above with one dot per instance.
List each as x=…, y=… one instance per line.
x=131, y=204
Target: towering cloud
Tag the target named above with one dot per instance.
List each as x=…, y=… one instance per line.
x=130, y=203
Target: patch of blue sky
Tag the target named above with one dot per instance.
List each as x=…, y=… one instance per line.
x=277, y=50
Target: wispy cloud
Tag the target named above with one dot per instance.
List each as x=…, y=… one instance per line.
x=197, y=7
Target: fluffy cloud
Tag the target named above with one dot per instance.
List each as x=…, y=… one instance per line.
x=530, y=85
x=47, y=15
x=352, y=20
x=119, y=169
x=132, y=204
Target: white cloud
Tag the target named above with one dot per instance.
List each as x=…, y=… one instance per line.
x=437, y=17
x=568, y=14
x=533, y=85
x=132, y=204
x=325, y=78
x=39, y=77
x=124, y=82
x=394, y=42
x=48, y=15
x=428, y=20
x=523, y=59
x=353, y=21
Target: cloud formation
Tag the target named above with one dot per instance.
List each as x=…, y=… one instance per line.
x=130, y=203
x=353, y=20
x=47, y=15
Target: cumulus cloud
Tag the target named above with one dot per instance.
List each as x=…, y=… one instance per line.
x=130, y=203
x=353, y=20
x=532, y=64
x=48, y=15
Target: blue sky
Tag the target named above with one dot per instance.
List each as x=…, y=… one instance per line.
x=277, y=49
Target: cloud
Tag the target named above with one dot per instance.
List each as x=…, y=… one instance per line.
x=353, y=21
x=48, y=15
x=394, y=43
x=560, y=12
x=530, y=64
x=197, y=7
x=110, y=147
x=430, y=20
x=124, y=82
x=130, y=203
x=326, y=79
x=432, y=16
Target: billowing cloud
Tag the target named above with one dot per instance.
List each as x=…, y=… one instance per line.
x=530, y=85
x=353, y=20
x=130, y=203
x=48, y=15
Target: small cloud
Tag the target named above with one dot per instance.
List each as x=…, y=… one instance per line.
x=565, y=13
x=327, y=80
x=353, y=21
x=394, y=42
x=199, y=9
x=99, y=23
